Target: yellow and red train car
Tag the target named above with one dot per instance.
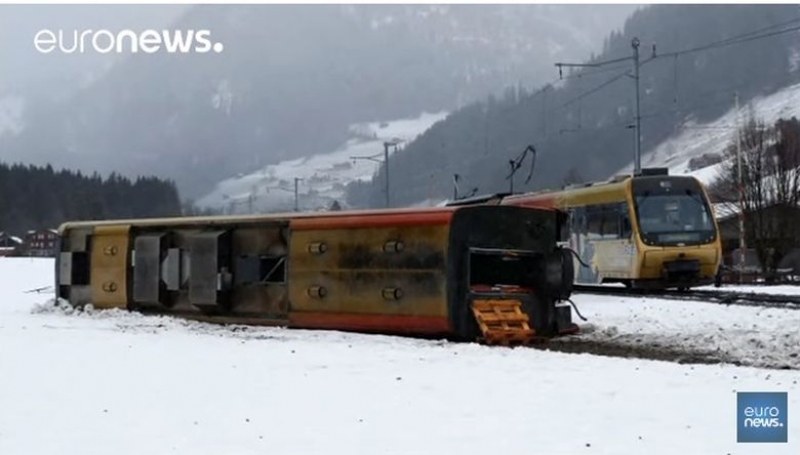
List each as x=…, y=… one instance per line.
x=647, y=231
x=426, y=272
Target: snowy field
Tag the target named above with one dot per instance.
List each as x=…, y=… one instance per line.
x=121, y=383
x=754, y=336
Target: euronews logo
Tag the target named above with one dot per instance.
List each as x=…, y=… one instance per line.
x=761, y=417
x=126, y=41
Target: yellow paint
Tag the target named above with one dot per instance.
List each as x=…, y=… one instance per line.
x=615, y=258
x=610, y=258
x=595, y=195
x=109, y=266
x=655, y=257
x=354, y=287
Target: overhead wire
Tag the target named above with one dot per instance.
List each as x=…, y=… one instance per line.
x=744, y=38
x=738, y=39
x=600, y=68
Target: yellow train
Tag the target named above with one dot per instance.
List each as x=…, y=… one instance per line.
x=649, y=231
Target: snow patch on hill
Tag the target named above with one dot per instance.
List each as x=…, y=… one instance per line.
x=696, y=140
x=324, y=176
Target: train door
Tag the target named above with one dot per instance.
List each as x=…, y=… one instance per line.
x=580, y=243
x=609, y=235
x=629, y=245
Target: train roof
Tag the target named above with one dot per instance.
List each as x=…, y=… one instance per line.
x=480, y=199
x=616, y=184
x=342, y=218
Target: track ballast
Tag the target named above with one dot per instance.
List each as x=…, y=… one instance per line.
x=791, y=302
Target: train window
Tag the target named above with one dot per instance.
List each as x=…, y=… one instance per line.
x=611, y=222
x=578, y=220
x=625, y=222
x=594, y=222
x=674, y=218
x=608, y=222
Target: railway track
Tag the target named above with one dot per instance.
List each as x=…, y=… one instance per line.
x=722, y=297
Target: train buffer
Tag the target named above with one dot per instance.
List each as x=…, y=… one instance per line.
x=502, y=321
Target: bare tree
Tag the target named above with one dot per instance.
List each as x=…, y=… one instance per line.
x=769, y=190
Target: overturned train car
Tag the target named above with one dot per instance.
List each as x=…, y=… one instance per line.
x=479, y=272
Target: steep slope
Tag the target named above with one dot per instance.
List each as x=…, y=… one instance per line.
x=580, y=125
x=697, y=148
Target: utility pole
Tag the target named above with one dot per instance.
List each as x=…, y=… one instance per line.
x=296, y=204
x=455, y=187
x=386, y=163
x=637, y=156
x=742, y=243
x=386, y=145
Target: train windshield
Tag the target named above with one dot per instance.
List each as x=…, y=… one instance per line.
x=673, y=212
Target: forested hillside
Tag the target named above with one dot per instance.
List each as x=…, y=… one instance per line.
x=581, y=125
x=41, y=197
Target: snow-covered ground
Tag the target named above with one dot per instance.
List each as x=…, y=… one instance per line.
x=122, y=383
x=324, y=176
x=757, y=289
x=696, y=140
x=766, y=337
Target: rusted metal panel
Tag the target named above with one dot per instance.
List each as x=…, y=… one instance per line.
x=423, y=248
x=389, y=270
x=376, y=219
x=110, y=259
x=421, y=292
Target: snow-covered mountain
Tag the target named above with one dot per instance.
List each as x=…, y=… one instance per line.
x=698, y=148
x=324, y=176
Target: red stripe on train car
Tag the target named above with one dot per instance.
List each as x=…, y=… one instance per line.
x=367, y=220
x=399, y=324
